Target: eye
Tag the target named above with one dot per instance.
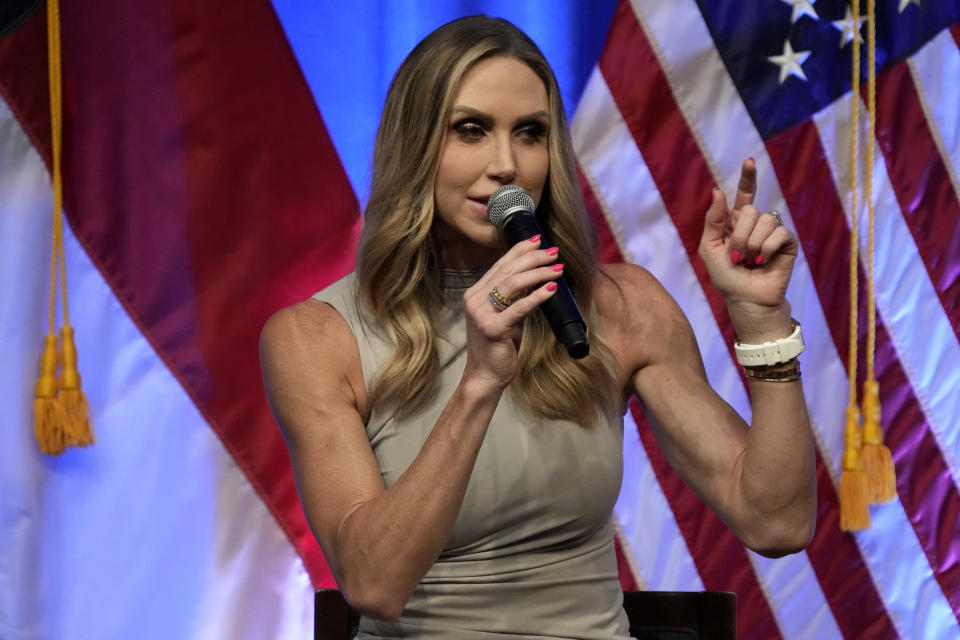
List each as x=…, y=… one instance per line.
x=533, y=132
x=468, y=130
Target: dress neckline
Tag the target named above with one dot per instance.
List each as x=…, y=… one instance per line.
x=460, y=279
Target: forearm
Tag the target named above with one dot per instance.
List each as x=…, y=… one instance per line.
x=386, y=545
x=778, y=475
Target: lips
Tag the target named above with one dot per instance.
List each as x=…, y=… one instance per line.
x=481, y=204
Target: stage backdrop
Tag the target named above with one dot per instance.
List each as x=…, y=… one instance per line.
x=215, y=163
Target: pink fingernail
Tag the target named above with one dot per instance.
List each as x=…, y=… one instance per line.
x=552, y=286
x=735, y=256
x=557, y=267
x=552, y=251
x=535, y=238
x=752, y=160
x=759, y=259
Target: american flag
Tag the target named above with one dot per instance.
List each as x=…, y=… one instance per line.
x=203, y=192
x=683, y=91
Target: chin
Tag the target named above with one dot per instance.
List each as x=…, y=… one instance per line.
x=490, y=238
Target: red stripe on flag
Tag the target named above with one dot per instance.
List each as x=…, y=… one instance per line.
x=207, y=200
x=669, y=149
x=955, y=32
x=926, y=490
x=719, y=556
x=839, y=567
x=628, y=581
x=921, y=180
x=609, y=250
x=23, y=85
x=632, y=72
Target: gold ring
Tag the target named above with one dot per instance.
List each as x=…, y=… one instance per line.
x=498, y=300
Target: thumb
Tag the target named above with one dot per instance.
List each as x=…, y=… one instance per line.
x=716, y=218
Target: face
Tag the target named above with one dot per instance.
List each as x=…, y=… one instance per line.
x=496, y=135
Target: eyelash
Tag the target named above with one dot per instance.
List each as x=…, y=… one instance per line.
x=471, y=131
x=534, y=132
x=468, y=130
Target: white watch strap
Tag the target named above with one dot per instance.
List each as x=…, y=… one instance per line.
x=771, y=353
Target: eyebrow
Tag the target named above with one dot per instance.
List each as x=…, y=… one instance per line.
x=470, y=111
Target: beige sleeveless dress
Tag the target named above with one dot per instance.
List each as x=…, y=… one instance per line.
x=531, y=554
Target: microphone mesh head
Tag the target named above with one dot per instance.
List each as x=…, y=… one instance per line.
x=506, y=200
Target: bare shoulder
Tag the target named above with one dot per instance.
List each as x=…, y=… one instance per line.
x=629, y=297
x=304, y=324
x=309, y=354
x=639, y=317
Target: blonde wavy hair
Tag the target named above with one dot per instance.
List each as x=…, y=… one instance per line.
x=397, y=268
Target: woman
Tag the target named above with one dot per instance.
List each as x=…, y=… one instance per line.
x=458, y=469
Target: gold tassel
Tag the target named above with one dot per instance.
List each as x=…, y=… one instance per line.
x=877, y=460
x=854, y=515
x=61, y=415
x=48, y=422
x=76, y=410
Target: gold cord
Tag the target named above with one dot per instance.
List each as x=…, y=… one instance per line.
x=877, y=459
x=60, y=408
x=854, y=515
x=868, y=181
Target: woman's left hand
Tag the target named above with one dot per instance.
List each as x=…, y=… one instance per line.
x=749, y=256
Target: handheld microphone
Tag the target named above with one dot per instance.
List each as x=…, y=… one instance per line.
x=510, y=208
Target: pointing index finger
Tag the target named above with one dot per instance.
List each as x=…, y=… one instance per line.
x=747, y=188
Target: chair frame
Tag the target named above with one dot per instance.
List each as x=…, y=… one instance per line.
x=653, y=615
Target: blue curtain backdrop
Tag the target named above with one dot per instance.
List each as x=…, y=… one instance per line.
x=350, y=50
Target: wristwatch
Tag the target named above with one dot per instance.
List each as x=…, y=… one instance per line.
x=771, y=353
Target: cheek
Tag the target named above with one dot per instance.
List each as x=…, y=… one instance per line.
x=536, y=168
x=457, y=168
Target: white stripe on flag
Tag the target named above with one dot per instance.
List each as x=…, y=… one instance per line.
x=935, y=69
x=156, y=521
x=801, y=608
x=905, y=297
x=648, y=524
x=896, y=561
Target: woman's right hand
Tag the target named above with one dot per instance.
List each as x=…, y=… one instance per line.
x=493, y=336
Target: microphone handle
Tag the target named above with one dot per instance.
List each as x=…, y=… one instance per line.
x=561, y=309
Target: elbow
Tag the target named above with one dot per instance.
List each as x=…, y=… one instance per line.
x=374, y=600
x=777, y=548
x=775, y=538
x=777, y=525
x=368, y=581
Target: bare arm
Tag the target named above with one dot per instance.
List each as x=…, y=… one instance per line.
x=759, y=479
x=380, y=542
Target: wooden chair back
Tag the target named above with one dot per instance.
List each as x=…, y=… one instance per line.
x=653, y=615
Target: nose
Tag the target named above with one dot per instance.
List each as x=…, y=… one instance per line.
x=502, y=166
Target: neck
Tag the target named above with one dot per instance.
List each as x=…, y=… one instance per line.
x=456, y=252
